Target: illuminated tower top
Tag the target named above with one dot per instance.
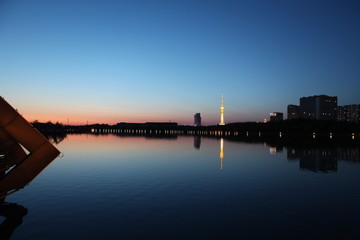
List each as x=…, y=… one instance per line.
x=222, y=111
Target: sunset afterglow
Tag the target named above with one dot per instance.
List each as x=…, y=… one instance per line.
x=126, y=61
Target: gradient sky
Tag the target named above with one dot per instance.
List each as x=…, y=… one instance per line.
x=136, y=61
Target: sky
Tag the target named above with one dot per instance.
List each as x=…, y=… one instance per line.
x=137, y=61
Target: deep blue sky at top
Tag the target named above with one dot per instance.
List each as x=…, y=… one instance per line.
x=136, y=61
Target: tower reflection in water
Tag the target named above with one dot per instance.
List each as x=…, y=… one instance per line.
x=197, y=144
x=24, y=153
x=221, y=154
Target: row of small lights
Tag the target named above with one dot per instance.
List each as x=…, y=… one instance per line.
x=215, y=133
x=331, y=135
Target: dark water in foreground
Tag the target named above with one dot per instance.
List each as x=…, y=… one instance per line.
x=112, y=187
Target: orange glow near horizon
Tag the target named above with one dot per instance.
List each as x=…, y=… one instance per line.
x=75, y=115
x=85, y=119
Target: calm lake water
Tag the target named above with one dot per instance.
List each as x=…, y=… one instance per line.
x=133, y=187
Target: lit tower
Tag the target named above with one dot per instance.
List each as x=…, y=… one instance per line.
x=222, y=111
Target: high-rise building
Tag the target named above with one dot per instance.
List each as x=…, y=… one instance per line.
x=197, y=120
x=222, y=108
x=276, y=116
x=353, y=112
x=349, y=113
x=341, y=113
x=321, y=107
x=293, y=111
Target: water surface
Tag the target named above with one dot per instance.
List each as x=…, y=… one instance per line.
x=185, y=187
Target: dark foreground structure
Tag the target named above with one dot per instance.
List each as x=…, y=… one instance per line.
x=24, y=153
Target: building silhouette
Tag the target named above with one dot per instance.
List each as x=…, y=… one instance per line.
x=349, y=113
x=293, y=111
x=197, y=120
x=321, y=107
x=342, y=113
x=276, y=116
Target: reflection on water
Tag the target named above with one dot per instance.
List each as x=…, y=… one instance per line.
x=56, y=138
x=185, y=187
x=13, y=214
x=275, y=149
x=315, y=159
x=221, y=155
x=316, y=156
x=324, y=158
x=197, y=142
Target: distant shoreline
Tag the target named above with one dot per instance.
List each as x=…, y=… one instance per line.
x=285, y=128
